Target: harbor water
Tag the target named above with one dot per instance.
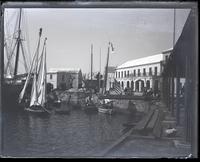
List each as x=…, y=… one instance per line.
x=77, y=134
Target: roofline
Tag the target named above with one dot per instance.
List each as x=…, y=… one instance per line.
x=138, y=65
x=142, y=58
x=166, y=51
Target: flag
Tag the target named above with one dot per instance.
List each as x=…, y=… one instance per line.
x=117, y=88
x=112, y=48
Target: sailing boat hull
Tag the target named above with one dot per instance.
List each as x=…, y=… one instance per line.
x=10, y=95
x=37, y=110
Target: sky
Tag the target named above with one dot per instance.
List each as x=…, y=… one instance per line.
x=135, y=33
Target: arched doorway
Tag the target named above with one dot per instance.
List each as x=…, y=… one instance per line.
x=148, y=84
x=127, y=84
x=139, y=85
x=142, y=85
x=122, y=85
x=132, y=85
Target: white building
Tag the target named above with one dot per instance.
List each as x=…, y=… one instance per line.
x=143, y=72
x=65, y=78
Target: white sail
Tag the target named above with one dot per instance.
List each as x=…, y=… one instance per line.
x=42, y=78
x=34, y=91
x=27, y=81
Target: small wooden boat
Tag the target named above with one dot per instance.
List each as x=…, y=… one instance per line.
x=105, y=109
x=37, y=110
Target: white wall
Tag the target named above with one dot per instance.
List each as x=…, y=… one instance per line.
x=53, y=80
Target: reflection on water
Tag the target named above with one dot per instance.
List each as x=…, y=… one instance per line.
x=75, y=134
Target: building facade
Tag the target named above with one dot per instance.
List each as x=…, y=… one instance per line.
x=65, y=78
x=142, y=73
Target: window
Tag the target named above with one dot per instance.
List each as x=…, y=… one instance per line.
x=155, y=70
x=150, y=71
x=122, y=74
x=51, y=76
x=127, y=84
x=127, y=73
x=118, y=74
x=144, y=71
x=138, y=72
x=134, y=73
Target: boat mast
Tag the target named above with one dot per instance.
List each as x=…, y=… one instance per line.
x=45, y=68
x=100, y=71
x=91, y=59
x=106, y=70
x=18, y=44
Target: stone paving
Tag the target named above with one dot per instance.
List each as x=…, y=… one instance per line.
x=148, y=148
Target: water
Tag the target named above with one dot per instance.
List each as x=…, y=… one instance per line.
x=77, y=134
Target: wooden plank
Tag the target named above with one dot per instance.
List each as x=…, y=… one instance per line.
x=116, y=143
x=153, y=120
x=157, y=131
x=142, y=124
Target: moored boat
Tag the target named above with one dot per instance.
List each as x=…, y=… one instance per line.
x=38, y=97
x=105, y=110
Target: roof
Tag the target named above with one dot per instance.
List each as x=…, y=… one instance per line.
x=55, y=70
x=167, y=51
x=142, y=61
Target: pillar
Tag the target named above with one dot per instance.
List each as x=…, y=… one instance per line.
x=178, y=100
x=151, y=80
x=139, y=86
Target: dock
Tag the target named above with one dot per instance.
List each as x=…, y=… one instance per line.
x=127, y=97
x=149, y=127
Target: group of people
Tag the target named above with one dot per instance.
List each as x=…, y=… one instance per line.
x=150, y=92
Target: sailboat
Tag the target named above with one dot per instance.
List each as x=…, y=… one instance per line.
x=106, y=106
x=37, y=103
x=89, y=105
x=14, y=50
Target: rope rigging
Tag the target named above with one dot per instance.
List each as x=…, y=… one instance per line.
x=15, y=44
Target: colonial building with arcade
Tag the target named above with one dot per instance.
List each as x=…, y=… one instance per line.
x=143, y=72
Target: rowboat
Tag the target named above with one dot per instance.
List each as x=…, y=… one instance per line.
x=105, y=110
